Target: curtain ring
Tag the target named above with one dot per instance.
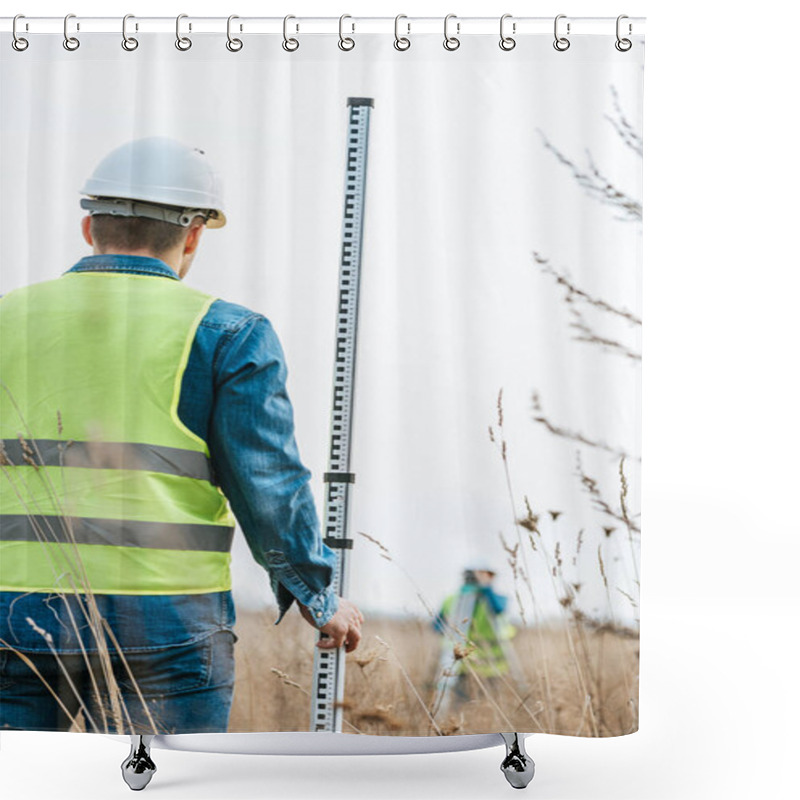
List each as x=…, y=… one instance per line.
x=182, y=42
x=561, y=43
x=289, y=45
x=70, y=42
x=507, y=42
x=345, y=42
x=234, y=45
x=128, y=42
x=401, y=42
x=623, y=45
x=18, y=43
x=451, y=42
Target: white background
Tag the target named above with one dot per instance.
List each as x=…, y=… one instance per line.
x=719, y=697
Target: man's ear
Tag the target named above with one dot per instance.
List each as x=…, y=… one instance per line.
x=193, y=238
x=86, y=230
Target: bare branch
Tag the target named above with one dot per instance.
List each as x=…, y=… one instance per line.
x=629, y=135
x=574, y=292
x=587, y=334
x=600, y=503
x=574, y=436
x=597, y=186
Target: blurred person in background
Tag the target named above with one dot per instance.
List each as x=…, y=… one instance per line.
x=475, y=631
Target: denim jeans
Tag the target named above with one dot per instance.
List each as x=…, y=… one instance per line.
x=184, y=689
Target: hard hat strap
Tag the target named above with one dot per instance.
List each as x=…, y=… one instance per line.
x=120, y=207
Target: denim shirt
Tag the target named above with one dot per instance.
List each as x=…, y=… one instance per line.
x=233, y=396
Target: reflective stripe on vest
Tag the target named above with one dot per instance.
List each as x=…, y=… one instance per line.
x=102, y=487
x=116, y=455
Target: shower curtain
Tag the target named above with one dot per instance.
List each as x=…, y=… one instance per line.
x=492, y=527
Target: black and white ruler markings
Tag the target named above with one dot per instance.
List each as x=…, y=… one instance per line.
x=328, y=681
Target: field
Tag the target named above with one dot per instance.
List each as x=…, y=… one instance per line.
x=576, y=679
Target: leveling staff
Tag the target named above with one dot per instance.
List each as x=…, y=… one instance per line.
x=133, y=408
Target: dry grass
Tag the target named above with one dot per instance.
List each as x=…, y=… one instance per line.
x=60, y=547
x=274, y=666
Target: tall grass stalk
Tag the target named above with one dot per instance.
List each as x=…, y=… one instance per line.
x=70, y=569
x=411, y=686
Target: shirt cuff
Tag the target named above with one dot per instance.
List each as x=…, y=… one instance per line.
x=287, y=587
x=322, y=606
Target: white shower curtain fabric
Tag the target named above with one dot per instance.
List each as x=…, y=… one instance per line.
x=495, y=513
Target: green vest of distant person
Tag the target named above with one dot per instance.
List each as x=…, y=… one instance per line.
x=488, y=631
x=102, y=488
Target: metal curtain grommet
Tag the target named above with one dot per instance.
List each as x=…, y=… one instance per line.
x=18, y=42
x=561, y=43
x=182, y=42
x=128, y=42
x=623, y=45
x=233, y=44
x=289, y=44
x=346, y=42
x=451, y=42
x=70, y=42
x=507, y=42
x=401, y=42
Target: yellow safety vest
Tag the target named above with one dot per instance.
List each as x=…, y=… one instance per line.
x=102, y=487
x=486, y=633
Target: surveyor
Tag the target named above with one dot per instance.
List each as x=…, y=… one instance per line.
x=475, y=631
x=137, y=417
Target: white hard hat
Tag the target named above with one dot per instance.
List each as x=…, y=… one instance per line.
x=158, y=178
x=480, y=566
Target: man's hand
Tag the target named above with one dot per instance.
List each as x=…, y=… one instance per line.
x=343, y=628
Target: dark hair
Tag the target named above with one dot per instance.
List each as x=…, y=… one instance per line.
x=112, y=233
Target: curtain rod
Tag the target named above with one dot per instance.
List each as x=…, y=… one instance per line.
x=461, y=26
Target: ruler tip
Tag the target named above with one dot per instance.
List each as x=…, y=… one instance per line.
x=361, y=101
